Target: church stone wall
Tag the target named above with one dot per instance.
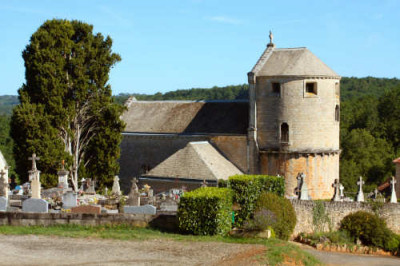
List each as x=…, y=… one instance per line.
x=311, y=118
x=321, y=170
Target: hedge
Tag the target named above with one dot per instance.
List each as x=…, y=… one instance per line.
x=206, y=211
x=247, y=189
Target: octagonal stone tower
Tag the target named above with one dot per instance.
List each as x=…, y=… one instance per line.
x=294, y=119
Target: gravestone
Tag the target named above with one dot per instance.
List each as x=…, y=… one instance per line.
x=134, y=195
x=341, y=188
x=91, y=184
x=204, y=184
x=336, y=186
x=303, y=187
x=63, y=177
x=116, y=190
x=393, y=198
x=3, y=204
x=86, y=209
x=360, y=194
x=69, y=199
x=169, y=206
x=34, y=177
x=35, y=205
x=145, y=209
x=4, y=184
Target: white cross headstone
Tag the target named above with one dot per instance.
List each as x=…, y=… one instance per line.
x=336, y=185
x=341, y=188
x=393, y=198
x=34, y=177
x=34, y=158
x=360, y=194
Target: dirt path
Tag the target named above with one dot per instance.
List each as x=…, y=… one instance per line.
x=337, y=258
x=44, y=250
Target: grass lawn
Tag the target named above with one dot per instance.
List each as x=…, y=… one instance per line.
x=277, y=250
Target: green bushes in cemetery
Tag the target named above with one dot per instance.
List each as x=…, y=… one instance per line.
x=284, y=216
x=206, y=211
x=371, y=230
x=247, y=189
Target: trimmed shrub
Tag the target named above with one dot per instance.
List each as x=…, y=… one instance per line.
x=247, y=189
x=370, y=229
x=206, y=211
x=284, y=213
x=262, y=220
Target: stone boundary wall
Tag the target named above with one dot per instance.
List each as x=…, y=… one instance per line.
x=336, y=211
x=85, y=219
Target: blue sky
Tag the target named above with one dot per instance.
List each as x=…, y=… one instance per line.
x=168, y=45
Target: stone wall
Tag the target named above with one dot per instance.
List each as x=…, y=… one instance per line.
x=161, y=220
x=336, y=211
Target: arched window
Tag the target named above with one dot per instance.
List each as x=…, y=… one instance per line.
x=337, y=113
x=284, y=133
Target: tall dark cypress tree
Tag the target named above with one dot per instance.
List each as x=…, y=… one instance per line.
x=66, y=109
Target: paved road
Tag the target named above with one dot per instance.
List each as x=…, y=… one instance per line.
x=47, y=250
x=337, y=258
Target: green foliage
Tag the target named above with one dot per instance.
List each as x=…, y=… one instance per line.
x=367, y=156
x=66, y=110
x=262, y=220
x=206, y=211
x=247, y=189
x=320, y=217
x=282, y=209
x=370, y=229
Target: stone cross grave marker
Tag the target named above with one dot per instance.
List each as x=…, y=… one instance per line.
x=341, y=188
x=336, y=185
x=393, y=198
x=34, y=158
x=303, y=187
x=3, y=184
x=360, y=194
x=204, y=184
x=134, y=195
x=34, y=177
x=116, y=190
x=63, y=177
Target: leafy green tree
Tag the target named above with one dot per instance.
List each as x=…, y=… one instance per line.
x=367, y=156
x=389, y=112
x=66, y=110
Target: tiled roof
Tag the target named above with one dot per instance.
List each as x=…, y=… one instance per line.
x=198, y=161
x=291, y=62
x=220, y=117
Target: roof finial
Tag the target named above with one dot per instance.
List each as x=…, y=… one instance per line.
x=271, y=38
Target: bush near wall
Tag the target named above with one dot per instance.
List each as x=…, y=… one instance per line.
x=371, y=230
x=247, y=189
x=285, y=216
x=206, y=211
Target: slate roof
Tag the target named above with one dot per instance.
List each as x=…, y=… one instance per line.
x=197, y=161
x=187, y=117
x=291, y=62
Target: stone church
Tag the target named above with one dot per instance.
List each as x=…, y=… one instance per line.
x=289, y=125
